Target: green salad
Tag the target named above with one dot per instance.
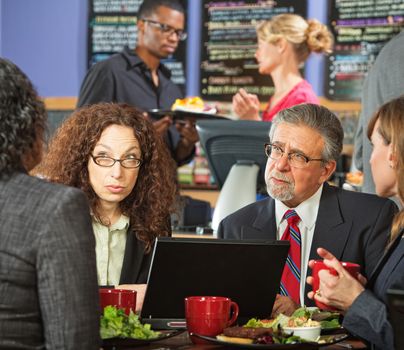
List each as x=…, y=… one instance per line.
x=301, y=317
x=115, y=323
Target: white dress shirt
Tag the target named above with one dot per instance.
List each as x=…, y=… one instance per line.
x=307, y=212
x=110, y=245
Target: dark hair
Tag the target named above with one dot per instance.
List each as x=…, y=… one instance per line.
x=149, y=204
x=148, y=7
x=391, y=129
x=318, y=118
x=22, y=118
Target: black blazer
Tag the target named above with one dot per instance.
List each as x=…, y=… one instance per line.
x=136, y=263
x=353, y=226
x=368, y=315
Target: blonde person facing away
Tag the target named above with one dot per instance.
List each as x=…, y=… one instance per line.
x=284, y=44
x=365, y=307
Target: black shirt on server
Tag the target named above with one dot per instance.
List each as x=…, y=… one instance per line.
x=125, y=78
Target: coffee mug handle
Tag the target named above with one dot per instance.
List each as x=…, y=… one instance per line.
x=234, y=314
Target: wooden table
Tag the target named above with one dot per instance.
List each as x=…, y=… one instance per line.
x=183, y=342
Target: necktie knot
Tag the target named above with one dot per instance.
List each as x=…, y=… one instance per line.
x=292, y=217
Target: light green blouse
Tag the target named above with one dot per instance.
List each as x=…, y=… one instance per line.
x=110, y=249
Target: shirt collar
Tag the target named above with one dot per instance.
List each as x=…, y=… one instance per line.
x=307, y=210
x=134, y=60
x=121, y=224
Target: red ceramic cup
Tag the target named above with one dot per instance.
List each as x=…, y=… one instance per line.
x=209, y=315
x=352, y=268
x=120, y=298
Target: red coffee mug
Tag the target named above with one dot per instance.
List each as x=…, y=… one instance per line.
x=352, y=268
x=120, y=298
x=209, y=315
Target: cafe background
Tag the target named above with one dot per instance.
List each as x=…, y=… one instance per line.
x=55, y=41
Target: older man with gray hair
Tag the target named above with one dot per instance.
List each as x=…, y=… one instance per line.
x=304, y=145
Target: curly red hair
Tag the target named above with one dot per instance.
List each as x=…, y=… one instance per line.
x=151, y=201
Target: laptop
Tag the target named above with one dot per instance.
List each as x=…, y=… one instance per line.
x=396, y=311
x=248, y=272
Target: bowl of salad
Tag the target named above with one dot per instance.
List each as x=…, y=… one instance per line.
x=302, y=324
x=310, y=332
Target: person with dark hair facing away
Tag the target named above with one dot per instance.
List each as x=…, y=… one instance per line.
x=305, y=142
x=115, y=156
x=137, y=77
x=365, y=309
x=48, y=278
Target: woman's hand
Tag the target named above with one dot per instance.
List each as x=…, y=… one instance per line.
x=246, y=105
x=338, y=291
x=140, y=292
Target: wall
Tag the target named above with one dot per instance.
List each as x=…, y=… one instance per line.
x=1, y=32
x=315, y=65
x=48, y=38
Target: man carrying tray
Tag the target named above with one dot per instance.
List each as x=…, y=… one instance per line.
x=138, y=78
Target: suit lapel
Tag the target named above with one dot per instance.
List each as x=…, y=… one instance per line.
x=331, y=231
x=390, y=276
x=263, y=226
x=132, y=261
x=382, y=262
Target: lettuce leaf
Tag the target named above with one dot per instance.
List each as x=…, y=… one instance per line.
x=115, y=323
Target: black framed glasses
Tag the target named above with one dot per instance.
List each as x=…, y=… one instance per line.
x=166, y=29
x=108, y=162
x=296, y=160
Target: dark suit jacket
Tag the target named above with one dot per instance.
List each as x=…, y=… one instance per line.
x=368, y=315
x=353, y=226
x=136, y=263
x=48, y=279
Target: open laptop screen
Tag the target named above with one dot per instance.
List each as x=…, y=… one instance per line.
x=248, y=272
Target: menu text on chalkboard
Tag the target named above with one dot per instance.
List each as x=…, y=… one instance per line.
x=229, y=42
x=361, y=28
x=113, y=25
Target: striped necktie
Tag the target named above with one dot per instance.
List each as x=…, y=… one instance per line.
x=290, y=281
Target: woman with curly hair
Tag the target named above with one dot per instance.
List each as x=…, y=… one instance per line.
x=47, y=244
x=113, y=154
x=284, y=44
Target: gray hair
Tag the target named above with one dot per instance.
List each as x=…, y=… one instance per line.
x=318, y=118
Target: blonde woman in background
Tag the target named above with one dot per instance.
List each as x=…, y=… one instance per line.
x=284, y=44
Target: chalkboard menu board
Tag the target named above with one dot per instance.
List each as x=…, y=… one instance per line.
x=112, y=25
x=229, y=42
x=361, y=28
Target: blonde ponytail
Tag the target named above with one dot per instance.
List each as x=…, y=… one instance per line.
x=305, y=36
x=319, y=38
